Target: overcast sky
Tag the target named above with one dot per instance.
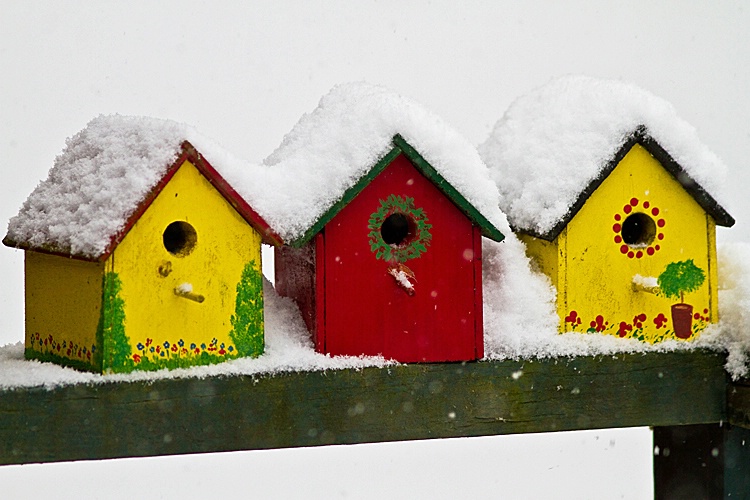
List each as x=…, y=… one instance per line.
x=244, y=72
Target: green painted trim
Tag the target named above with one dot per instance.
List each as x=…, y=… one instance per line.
x=348, y=196
x=487, y=228
x=423, y=166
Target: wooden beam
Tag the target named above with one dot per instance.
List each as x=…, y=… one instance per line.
x=701, y=461
x=405, y=402
x=738, y=397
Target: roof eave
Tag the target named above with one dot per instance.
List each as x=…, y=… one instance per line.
x=401, y=146
x=640, y=136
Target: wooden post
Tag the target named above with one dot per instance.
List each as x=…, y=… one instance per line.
x=710, y=461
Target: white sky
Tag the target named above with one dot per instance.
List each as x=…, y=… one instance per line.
x=244, y=72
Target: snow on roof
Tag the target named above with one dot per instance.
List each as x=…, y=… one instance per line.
x=334, y=146
x=552, y=143
x=101, y=178
x=96, y=183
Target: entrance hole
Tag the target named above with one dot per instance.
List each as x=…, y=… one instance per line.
x=397, y=229
x=180, y=238
x=638, y=230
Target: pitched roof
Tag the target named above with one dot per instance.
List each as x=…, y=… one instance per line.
x=105, y=179
x=331, y=150
x=558, y=143
x=642, y=137
x=400, y=146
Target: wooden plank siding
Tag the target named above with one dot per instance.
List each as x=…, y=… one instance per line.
x=405, y=402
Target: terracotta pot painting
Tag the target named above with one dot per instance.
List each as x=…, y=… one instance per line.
x=678, y=279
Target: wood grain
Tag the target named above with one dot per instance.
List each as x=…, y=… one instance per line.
x=405, y=402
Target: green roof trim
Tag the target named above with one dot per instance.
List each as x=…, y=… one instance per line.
x=400, y=146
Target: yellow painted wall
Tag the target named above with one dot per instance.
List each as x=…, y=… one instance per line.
x=63, y=298
x=596, y=268
x=155, y=317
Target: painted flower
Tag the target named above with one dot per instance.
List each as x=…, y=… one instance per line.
x=638, y=320
x=181, y=343
x=166, y=344
x=174, y=347
x=192, y=346
x=599, y=325
x=136, y=358
x=625, y=328
x=139, y=346
x=148, y=342
x=660, y=321
x=573, y=318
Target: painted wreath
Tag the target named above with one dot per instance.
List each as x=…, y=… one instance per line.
x=412, y=247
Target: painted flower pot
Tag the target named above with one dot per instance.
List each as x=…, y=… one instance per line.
x=682, y=320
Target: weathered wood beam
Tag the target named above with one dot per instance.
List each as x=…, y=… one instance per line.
x=701, y=461
x=738, y=397
x=359, y=406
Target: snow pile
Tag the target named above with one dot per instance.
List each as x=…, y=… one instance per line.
x=97, y=182
x=734, y=307
x=330, y=149
x=288, y=348
x=553, y=142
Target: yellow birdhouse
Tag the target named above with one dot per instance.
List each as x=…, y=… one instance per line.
x=139, y=255
x=630, y=248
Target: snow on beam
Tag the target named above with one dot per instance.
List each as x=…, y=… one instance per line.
x=407, y=402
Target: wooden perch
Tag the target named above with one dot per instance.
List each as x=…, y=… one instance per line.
x=186, y=293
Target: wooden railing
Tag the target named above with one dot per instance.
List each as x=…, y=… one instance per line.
x=701, y=419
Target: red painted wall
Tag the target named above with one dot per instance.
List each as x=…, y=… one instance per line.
x=366, y=312
x=294, y=271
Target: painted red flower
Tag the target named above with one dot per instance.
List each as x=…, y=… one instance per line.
x=222, y=351
x=660, y=321
x=599, y=324
x=573, y=318
x=625, y=328
x=137, y=358
x=638, y=320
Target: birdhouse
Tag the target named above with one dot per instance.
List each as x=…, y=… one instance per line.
x=139, y=255
x=631, y=248
x=394, y=268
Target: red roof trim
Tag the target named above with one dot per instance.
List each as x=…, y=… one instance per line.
x=238, y=202
x=190, y=153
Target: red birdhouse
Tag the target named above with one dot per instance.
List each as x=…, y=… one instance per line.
x=394, y=268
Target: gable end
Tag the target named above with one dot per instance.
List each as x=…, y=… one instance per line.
x=641, y=136
x=400, y=146
x=188, y=153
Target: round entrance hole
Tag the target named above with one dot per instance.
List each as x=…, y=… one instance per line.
x=180, y=238
x=638, y=230
x=397, y=229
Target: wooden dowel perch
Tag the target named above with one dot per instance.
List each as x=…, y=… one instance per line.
x=186, y=291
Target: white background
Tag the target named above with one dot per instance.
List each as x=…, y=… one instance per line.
x=244, y=72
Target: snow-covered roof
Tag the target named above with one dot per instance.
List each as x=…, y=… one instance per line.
x=552, y=144
x=330, y=149
x=102, y=180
